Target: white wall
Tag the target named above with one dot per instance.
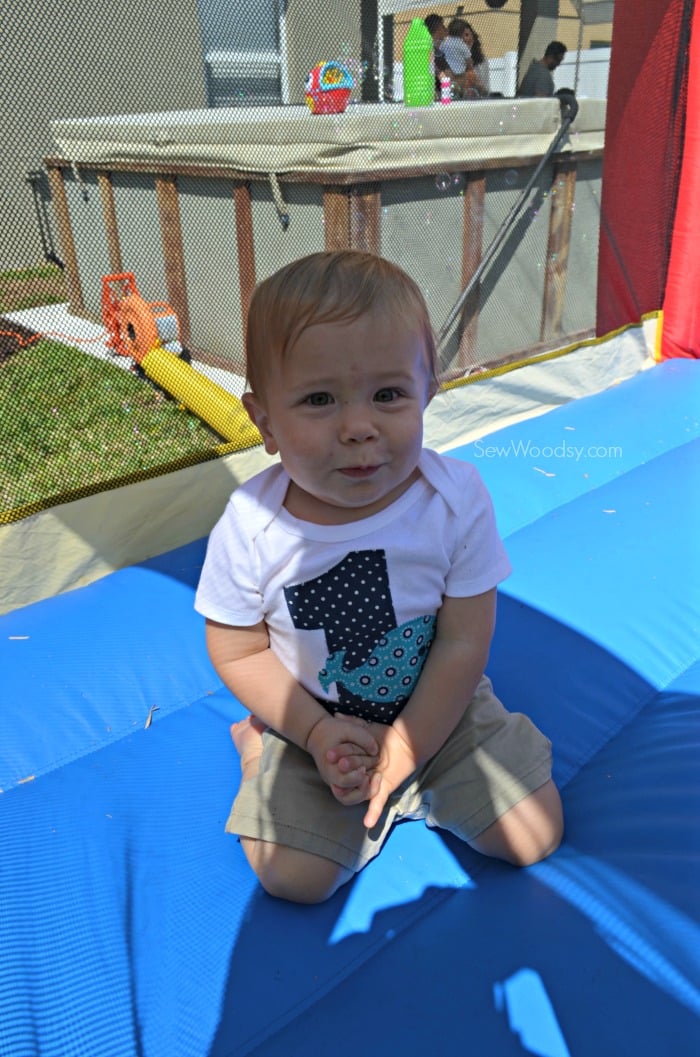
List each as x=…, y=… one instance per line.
x=589, y=80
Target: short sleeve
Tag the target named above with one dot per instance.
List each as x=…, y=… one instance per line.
x=228, y=591
x=479, y=559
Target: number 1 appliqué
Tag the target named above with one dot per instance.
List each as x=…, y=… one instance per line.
x=371, y=660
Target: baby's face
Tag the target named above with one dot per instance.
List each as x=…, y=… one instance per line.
x=345, y=412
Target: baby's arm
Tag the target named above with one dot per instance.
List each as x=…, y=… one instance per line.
x=247, y=666
x=450, y=676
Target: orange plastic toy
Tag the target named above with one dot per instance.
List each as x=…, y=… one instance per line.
x=135, y=326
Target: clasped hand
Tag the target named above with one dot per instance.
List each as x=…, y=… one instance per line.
x=361, y=761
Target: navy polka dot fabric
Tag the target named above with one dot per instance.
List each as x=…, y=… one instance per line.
x=373, y=662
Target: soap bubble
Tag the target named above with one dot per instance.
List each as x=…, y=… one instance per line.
x=458, y=181
x=511, y=178
x=443, y=181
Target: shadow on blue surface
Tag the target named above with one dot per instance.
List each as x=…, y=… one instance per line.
x=603, y=924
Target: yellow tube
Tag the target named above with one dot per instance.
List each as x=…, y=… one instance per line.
x=220, y=409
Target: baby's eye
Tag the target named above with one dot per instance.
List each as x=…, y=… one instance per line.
x=385, y=396
x=319, y=399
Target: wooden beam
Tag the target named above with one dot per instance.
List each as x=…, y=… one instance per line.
x=173, y=253
x=365, y=208
x=472, y=248
x=562, y=197
x=69, y=256
x=109, y=213
x=351, y=217
x=336, y=218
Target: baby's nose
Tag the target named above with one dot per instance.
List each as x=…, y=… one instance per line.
x=357, y=424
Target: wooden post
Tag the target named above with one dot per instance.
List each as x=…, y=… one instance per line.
x=76, y=303
x=562, y=196
x=365, y=201
x=336, y=218
x=472, y=247
x=104, y=182
x=173, y=254
x=351, y=216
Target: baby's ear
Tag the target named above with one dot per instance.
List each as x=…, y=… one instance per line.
x=260, y=418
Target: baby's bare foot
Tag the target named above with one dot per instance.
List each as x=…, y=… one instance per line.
x=247, y=737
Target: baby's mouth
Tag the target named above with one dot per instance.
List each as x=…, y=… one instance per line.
x=359, y=471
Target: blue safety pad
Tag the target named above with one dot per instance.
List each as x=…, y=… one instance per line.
x=84, y=669
x=540, y=465
x=131, y=924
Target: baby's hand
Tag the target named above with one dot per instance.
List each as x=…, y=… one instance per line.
x=351, y=760
x=395, y=764
x=350, y=755
x=344, y=751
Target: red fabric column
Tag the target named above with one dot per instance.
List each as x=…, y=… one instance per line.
x=681, y=321
x=641, y=167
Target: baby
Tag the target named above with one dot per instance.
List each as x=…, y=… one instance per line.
x=350, y=593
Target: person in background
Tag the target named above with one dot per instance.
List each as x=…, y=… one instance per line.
x=458, y=56
x=538, y=80
x=478, y=82
x=435, y=24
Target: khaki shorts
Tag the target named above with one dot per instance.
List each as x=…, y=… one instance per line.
x=492, y=760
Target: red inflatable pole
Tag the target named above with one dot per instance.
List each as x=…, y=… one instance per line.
x=642, y=160
x=681, y=308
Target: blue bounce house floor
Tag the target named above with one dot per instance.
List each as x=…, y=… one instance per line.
x=130, y=923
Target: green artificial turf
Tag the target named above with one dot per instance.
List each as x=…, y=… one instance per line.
x=21, y=288
x=70, y=423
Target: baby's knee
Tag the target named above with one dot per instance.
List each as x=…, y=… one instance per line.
x=528, y=832
x=300, y=878
x=543, y=837
x=537, y=846
x=294, y=889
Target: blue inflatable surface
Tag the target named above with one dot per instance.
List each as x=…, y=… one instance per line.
x=130, y=923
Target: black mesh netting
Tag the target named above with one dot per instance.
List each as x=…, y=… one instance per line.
x=171, y=146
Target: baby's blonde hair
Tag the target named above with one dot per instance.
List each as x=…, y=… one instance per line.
x=329, y=287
